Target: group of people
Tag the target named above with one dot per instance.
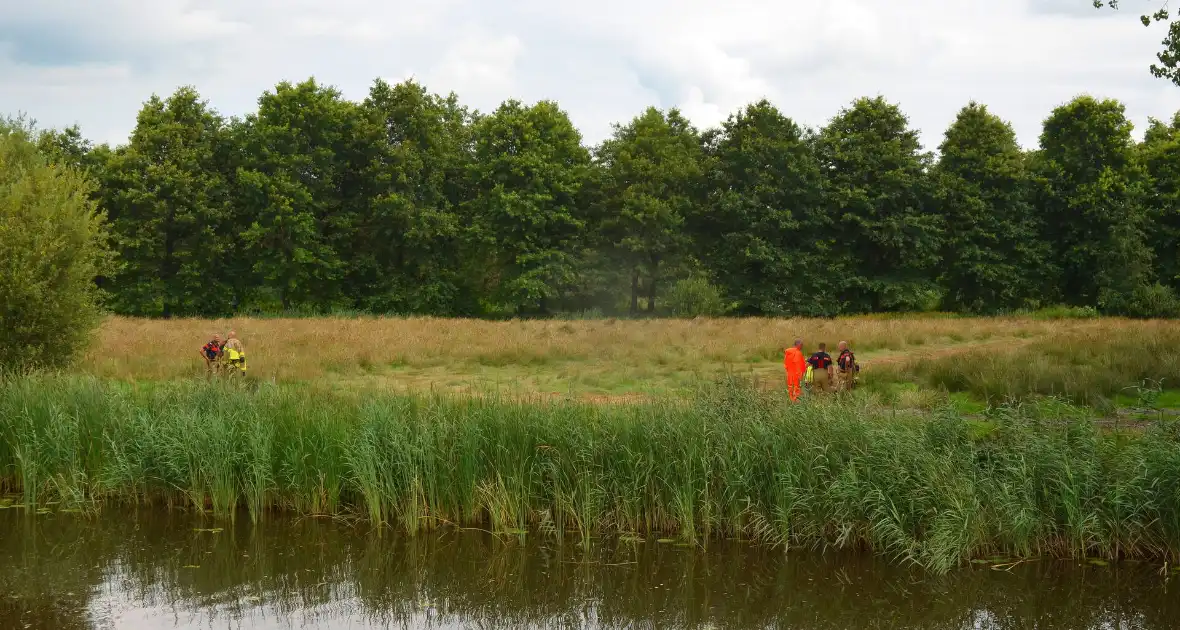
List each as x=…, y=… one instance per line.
x=822, y=372
x=228, y=354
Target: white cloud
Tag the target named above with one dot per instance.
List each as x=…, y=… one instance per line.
x=481, y=62
x=94, y=62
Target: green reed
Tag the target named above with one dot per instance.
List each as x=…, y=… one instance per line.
x=729, y=462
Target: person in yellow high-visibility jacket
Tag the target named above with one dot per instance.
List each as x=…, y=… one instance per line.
x=234, y=352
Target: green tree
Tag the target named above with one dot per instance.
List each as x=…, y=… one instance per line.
x=410, y=250
x=764, y=233
x=302, y=182
x=601, y=283
x=528, y=169
x=70, y=148
x=53, y=243
x=878, y=196
x=291, y=259
x=1094, y=213
x=1160, y=153
x=993, y=257
x=167, y=196
x=1168, y=66
x=653, y=170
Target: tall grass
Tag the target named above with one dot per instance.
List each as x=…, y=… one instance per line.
x=430, y=351
x=729, y=463
x=1088, y=366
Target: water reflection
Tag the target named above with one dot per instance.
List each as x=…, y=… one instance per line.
x=151, y=570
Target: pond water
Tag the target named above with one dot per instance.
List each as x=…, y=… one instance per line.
x=137, y=570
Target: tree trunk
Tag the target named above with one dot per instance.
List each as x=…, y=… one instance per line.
x=634, y=292
x=168, y=275
x=651, y=287
x=168, y=270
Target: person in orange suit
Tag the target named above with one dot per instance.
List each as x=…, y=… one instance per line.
x=795, y=365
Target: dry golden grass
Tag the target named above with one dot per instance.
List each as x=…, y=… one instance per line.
x=602, y=356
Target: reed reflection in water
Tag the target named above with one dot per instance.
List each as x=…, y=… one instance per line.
x=146, y=569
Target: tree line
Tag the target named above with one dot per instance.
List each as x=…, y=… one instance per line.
x=409, y=202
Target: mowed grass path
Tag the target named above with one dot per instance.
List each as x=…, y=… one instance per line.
x=598, y=358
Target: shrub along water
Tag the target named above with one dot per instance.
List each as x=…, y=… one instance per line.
x=729, y=462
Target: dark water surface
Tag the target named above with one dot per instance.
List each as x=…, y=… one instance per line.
x=140, y=570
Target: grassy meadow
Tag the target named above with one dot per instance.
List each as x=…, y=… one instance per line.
x=912, y=360
x=592, y=357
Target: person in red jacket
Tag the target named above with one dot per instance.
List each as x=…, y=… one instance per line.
x=211, y=352
x=795, y=365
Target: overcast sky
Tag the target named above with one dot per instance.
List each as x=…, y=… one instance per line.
x=93, y=62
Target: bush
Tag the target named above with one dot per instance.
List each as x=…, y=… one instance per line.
x=1143, y=301
x=52, y=247
x=1063, y=312
x=696, y=297
x=1151, y=301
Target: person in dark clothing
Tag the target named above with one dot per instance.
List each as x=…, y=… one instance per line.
x=846, y=368
x=821, y=370
x=211, y=352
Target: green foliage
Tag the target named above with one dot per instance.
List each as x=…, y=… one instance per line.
x=528, y=169
x=1093, y=205
x=652, y=172
x=1063, y=312
x=696, y=297
x=53, y=243
x=1160, y=153
x=1042, y=480
x=69, y=148
x=168, y=199
x=1149, y=301
x=408, y=203
x=887, y=237
x=408, y=250
x=765, y=229
x=1168, y=66
x=993, y=257
x=305, y=150
x=292, y=256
